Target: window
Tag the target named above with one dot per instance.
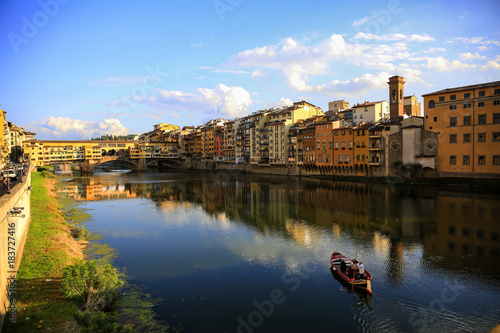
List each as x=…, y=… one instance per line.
x=466, y=160
x=467, y=137
x=343, y=144
x=467, y=106
x=481, y=137
x=453, y=138
x=340, y=158
x=441, y=98
x=481, y=119
x=481, y=160
x=453, y=121
x=336, y=145
x=453, y=107
x=432, y=104
x=467, y=120
x=496, y=159
x=453, y=160
x=467, y=95
x=482, y=93
x=496, y=118
x=497, y=91
x=480, y=104
x=453, y=97
x=435, y=119
x=497, y=102
x=496, y=136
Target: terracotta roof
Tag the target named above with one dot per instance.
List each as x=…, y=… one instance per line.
x=474, y=86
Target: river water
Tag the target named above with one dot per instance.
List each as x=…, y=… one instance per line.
x=250, y=253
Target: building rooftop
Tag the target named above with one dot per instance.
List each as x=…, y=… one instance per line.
x=457, y=89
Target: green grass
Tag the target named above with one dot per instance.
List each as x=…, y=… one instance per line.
x=40, y=305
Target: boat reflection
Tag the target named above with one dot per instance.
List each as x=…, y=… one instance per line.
x=360, y=297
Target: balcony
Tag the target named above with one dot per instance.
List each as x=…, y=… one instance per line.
x=375, y=147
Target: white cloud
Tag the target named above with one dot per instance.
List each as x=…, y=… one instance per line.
x=230, y=71
x=361, y=21
x=470, y=56
x=221, y=101
x=67, y=128
x=300, y=62
x=282, y=102
x=258, y=73
x=440, y=64
x=492, y=64
x=394, y=37
x=435, y=49
x=474, y=40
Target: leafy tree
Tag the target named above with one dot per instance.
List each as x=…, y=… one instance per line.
x=95, y=286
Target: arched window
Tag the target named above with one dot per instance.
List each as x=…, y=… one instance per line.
x=401, y=94
x=432, y=104
x=394, y=94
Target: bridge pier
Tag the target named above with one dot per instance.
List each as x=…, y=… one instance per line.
x=142, y=165
x=87, y=167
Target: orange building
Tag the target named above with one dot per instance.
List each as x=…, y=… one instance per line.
x=468, y=122
x=324, y=144
x=343, y=142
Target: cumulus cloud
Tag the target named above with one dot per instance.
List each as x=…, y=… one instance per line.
x=440, y=64
x=75, y=129
x=282, y=102
x=221, y=101
x=300, y=62
x=492, y=64
x=470, y=56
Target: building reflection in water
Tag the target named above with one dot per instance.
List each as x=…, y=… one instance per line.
x=393, y=220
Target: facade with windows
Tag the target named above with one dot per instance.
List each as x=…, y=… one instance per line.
x=370, y=112
x=468, y=122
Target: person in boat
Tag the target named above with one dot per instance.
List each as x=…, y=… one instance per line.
x=354, y=267
x=361, y=270
x=343, y=266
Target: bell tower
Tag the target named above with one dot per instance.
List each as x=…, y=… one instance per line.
x=396, y=97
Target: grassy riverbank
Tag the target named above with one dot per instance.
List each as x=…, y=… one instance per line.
x=49, y=248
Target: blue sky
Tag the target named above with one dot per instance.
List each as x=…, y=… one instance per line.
x=74, y=69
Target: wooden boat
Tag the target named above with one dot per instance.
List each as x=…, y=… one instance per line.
x=349, y=276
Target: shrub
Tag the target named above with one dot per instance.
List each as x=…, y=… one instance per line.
x=94, y=286
x=47, y=174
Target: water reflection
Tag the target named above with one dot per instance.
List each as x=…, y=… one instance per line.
x=205, y=235
x=447, y=224
x=360, y=298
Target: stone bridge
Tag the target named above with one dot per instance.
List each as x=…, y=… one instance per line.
x=88, y=165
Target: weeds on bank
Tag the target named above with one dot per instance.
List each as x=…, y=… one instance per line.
x=40, y=305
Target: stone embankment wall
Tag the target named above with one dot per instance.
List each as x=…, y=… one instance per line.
x=266, y=170
x=13, y=230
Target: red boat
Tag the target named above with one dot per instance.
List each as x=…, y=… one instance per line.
x=350, y=276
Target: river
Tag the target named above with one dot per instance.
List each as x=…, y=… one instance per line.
x=250, y=253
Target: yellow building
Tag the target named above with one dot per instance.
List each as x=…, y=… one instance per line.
x=361, y=149
x=4, y=150
x=155, y=150
x=468, y=122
